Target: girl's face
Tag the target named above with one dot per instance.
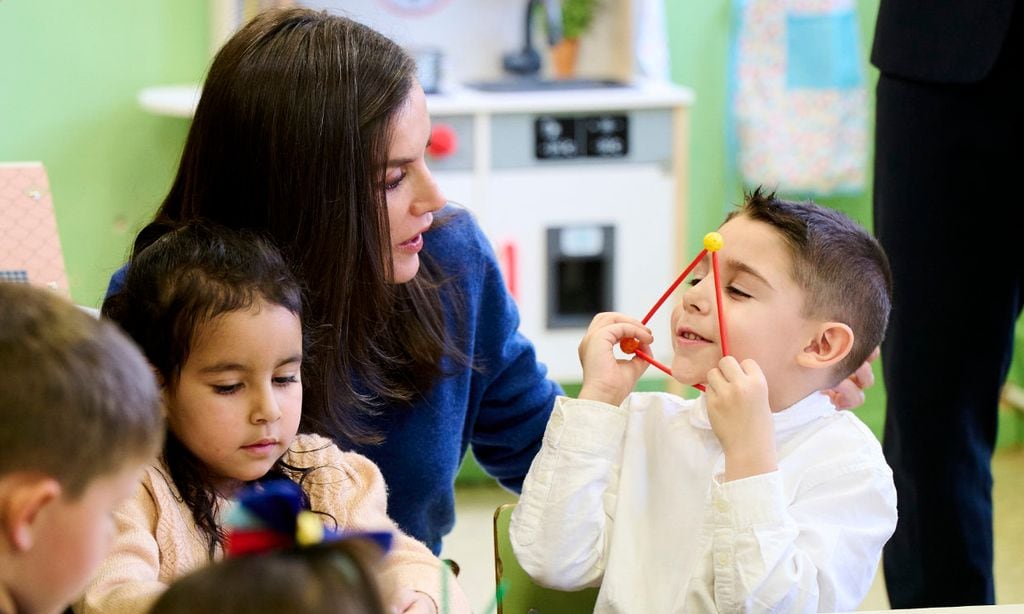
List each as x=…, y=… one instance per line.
x=238, y=401
x=412, y=195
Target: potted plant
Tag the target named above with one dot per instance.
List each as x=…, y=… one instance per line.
x=577, y=16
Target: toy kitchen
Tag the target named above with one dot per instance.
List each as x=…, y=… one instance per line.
x=580, y=184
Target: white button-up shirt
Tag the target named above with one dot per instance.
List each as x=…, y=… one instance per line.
x=631, y=498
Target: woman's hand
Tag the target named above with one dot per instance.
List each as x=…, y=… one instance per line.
x=849, y=393
x=737, y=397
x=606, y=378
x=413, y=602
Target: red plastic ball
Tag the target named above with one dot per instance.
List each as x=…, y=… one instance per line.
x=629, y=346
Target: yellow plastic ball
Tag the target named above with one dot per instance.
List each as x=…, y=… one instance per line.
x=309, y=529
x=713, y=241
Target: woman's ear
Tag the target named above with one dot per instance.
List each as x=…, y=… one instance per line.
x=24, y=496
x=831, y=343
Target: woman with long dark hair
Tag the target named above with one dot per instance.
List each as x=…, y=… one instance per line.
x=312, y=129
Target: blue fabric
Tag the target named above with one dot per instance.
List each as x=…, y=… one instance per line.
x=500, y=408
x=822, y=51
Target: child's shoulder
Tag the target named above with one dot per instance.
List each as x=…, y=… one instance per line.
x=838, y=443
x=334, y=480
x=326, y=462
x=847, y=425
x=157, y=484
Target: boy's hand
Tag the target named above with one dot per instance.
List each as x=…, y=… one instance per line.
x=606, y=378
x=413, y=602
x=737, y=397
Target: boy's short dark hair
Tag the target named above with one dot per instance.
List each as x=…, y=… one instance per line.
x=77, y=398
x=839, y=265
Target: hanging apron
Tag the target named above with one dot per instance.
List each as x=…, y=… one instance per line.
x=799, y=101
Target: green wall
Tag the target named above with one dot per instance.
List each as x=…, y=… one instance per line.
x=70, y=72
x=69, y=75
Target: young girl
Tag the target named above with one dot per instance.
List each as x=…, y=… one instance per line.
x=218, y=314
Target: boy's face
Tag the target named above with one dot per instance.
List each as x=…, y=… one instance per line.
x=762, y=305
x=238, y=400
x=70, y=539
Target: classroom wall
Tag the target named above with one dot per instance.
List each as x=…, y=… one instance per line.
x=69, y=75
x=70, y=72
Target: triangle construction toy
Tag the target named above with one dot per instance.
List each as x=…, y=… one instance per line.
x=712, y=243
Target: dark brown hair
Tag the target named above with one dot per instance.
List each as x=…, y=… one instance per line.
x=839, y=265
x=314, y=580
x=290, y=138
x=77, y=399
x=182, y=282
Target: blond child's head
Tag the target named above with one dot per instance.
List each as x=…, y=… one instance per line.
x=805, y=293
x=79, y=416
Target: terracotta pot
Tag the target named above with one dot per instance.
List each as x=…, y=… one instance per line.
x=563, y=58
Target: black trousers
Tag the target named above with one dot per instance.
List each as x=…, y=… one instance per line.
x=948, y=205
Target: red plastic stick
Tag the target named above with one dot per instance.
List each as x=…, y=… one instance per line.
x=718, y=304
x=657, y=364
x=654, y=362
x=676, y=283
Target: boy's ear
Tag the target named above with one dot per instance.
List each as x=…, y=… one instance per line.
x=23, y=497
x=831, y=343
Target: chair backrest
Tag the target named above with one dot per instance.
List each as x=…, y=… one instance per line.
x=30, y=249
x=521, y=595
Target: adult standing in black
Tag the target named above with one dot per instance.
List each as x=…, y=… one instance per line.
x=948, y=148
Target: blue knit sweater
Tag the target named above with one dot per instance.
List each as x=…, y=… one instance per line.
x=500, y=408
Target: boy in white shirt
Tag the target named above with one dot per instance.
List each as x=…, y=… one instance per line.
x=756, y=496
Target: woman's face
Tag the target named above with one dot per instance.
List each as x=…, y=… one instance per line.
x=412, y=195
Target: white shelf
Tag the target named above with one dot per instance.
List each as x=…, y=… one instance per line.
x=180, y=100
x=172, y=100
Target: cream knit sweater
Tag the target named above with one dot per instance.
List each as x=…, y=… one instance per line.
x=157, y=540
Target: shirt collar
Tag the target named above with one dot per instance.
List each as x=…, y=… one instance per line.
x=813, y=406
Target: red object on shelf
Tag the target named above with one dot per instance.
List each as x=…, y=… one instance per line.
x=444, y=141
x=510, y=255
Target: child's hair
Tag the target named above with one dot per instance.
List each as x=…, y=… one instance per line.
x=77, y=399
x=178, y=284
x=315, y=580
x=282, y=559
x=839, y=265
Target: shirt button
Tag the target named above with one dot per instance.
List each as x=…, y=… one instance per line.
x=723, y=558
x=722, y=505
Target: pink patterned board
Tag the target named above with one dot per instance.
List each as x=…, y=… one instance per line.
x=29, y=244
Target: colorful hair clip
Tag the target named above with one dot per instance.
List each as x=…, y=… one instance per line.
x=272, y=515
